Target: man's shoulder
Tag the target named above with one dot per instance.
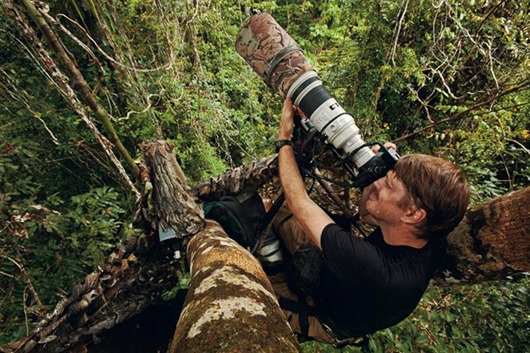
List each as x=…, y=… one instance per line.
x=340, y=245
x=351, y=260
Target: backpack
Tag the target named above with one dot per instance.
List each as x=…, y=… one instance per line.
x=241, y=217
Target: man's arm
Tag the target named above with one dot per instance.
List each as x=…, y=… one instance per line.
x=311, y=217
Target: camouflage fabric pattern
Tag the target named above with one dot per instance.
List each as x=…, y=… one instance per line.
x=259, y=40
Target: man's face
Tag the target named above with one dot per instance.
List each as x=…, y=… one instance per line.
x=382, y=199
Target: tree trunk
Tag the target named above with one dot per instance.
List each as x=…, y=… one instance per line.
x=492, y=241
x=230, y=305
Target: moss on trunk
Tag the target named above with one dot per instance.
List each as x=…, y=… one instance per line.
x=230, y=306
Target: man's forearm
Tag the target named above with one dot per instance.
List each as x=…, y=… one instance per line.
x=290, y=177
x=310, y=216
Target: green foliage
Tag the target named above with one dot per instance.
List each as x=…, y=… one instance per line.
x=56, y=249
x=92, y=222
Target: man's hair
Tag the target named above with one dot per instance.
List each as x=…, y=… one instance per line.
x=437, y=186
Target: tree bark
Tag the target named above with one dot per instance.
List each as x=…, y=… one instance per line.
x=248, y=177
x=230, y=305
x=492, y=241
x=173, y=206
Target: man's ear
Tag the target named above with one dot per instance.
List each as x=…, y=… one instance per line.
x=414, y=215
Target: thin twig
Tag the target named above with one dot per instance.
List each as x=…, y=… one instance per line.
x=27, y=280
x=25, y=308
x=6, y=274
x=103, y=52
x=398, y=31
x=520, y=145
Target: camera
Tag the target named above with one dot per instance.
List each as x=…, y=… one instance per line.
x=276, y=57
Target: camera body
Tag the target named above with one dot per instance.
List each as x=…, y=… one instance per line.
x=276, y=57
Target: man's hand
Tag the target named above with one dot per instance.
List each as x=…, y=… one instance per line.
x=388, y=145
x=286, y=128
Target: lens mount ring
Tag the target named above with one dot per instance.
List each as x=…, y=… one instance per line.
x=304, y=79
x=352, y=153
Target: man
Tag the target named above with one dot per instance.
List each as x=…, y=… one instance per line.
x=368, y=284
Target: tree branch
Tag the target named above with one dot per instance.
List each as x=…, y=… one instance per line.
x=462, y=114
x=78, y=80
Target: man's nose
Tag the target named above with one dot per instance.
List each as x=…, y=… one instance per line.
x=376, y=186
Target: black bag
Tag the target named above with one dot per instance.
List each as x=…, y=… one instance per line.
x=241, y=217
x=306, y=269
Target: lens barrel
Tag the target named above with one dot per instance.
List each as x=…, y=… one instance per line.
x=328, y=117
x=276, y=57
x=271, y=52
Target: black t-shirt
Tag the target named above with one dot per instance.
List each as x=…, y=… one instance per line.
x=368, y=284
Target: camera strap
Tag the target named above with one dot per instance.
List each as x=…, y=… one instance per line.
x=266, y=222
